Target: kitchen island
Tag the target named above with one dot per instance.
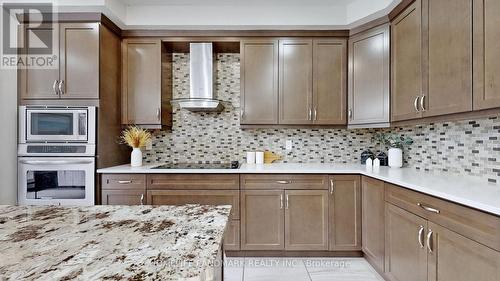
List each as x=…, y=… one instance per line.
x=112, y=242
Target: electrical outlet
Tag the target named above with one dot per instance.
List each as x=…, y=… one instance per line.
x=288, y=145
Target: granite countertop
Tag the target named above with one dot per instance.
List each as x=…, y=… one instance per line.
x=468, y=191
x=111, y=242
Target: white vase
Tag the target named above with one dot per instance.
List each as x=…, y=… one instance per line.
x=395, y=157
x=136, y=157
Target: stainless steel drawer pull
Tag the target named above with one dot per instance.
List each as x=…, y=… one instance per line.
x=428, y=209
x=429, y=242
x=415, y=104
x=61, y=87
x=331, y=186
x=283, y=182
x=421, y=236
x=422, y=103
x=142, y=199
x=124, y=182
x=287, y=203
x=54, y=87
x=281, y=201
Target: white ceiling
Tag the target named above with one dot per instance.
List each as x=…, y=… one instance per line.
x=231, y=14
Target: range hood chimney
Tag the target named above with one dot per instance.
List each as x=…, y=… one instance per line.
x=201, y=76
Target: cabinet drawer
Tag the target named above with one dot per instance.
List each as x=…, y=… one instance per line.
x=193, y=181
x=481, y=227
x=124, y=197
x=284, y=181
x=123, y=181
x=232, y=236
x=203, y=197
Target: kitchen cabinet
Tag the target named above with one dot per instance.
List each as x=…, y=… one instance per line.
x=373, y=221
x=262, y=220
x=284, y=181
x=124, y=197
x=369, y=60
x=486, y=54
x=405, y=251
x=449, y=57
x=329, y=81
x=454, y=257
x=345, y=213
x=406, y=59
x=232, y=236
x=306, y=220
x=145, y=91
x=123, y=189
x=259, y=81
x=76, y=73
x=193, y=181
x=295, y=81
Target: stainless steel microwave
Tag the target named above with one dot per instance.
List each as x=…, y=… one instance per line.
x=57, y=124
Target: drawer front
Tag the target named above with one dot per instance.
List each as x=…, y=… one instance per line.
x=481, y=227
x=124, y=181
x=124, y=197
x=232, y=236
x=285, y=181
x=203, y=197
x=193, y=181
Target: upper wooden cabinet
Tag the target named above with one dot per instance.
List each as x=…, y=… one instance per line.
x=146, y=93
x=259, y=81
x=293, y=81
x=369, y=78
x=76, y=76
x=345, y=213
x=406, y=60
x=486, y=54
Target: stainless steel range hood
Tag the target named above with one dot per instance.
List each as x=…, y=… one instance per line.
x=201, y=77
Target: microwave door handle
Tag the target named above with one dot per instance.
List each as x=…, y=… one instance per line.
x=55, y=162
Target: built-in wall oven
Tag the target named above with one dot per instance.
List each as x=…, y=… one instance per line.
x=56, y=155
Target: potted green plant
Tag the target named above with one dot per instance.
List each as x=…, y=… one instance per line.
x=396, y=144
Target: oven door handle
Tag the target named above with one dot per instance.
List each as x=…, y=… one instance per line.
x=55, y=162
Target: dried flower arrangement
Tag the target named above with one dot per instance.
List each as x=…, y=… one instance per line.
x=135, y=137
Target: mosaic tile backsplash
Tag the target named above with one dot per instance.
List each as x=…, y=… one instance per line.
x=464, y=147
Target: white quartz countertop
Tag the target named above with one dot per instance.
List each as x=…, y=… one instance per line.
x=468, y=191
x=111, y=242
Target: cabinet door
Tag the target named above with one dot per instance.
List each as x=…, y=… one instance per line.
x=450, y=57
x=329, y=81
x=259, y=82
x=369, y=77
x=295, y=83
x=406, y=58
x=345, y=213
x=405, y=252
x=232, y=236
x=203, y=197
x=486, y=54
x=141, y=82
x=123, y=197
x=262, y=220
x=457, y=258
x=39, y=83
x=373, y=221
x=306, y=220
x=79, y=60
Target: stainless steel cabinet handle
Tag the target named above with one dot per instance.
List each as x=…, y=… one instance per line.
x=415, y=104
x=158, y=114
x=349, y=114
x=61, y=87
x=422, y=103
x=142, y=199
x=242, y=113
x=281, y=201
x=283, y=182
x=286, y=205
x=124, y=182
x=315, y=114
x=331, y=186
x=429, y=242
x=54, y=87
x=310, y=114
x=428, y=209
x=421, y=236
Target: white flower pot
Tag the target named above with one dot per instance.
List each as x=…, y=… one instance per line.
x=136, y=157
x=395, y=157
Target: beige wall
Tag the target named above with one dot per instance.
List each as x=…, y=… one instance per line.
x=8, y=136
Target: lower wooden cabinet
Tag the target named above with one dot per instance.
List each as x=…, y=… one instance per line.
x=373, y=221
x=405, y=251
x=454, y=257
x=345, y=213
x=306, y=220
x=124, y=197
x=262, y=220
